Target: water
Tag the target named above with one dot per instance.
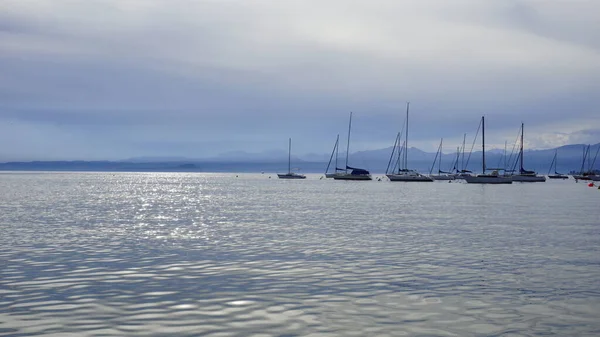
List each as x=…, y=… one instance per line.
x=153, y=254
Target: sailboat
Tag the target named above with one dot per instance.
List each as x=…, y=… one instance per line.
x=589, y=174
x=492, y=178
x=556, y=175
x=441, y=175
x=351, y=173
x=463, y=172
x=334, y=152
x=524, y=175
x=403, y=173
x=290, y=174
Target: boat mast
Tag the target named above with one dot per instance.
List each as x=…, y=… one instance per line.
x=334, y=152
x=483, y=143
x=440, y=161
x=586, y=149
x=337, y=148
x=348, y=144
x=594, y=160
x=290, y=156
x=457, y=158
x=521, y=152
x=406, y=139
x=462, y=163
x=553, y=163
x=504, y=156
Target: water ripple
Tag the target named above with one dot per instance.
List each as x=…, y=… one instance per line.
x=97, y=254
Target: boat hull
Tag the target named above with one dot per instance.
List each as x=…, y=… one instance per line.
x=580, y=177
x=348, y=176
x=488, y=179
x=291, y=176
x=558, y=176
x=443, y=177
x=528, y=178
x=408, y=178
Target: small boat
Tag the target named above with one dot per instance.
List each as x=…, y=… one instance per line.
x=351, y=173
x=492, y=178
x=290, y=174
x=442, y=175
x=524, y=175
x=556, y=175
x=405, y=174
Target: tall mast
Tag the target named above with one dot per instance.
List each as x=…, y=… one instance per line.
x=483, y=143
x=440, y=161
x=333, y=152
x=290, y=156
x=504, y=156
x=348, y=145
x=585, y=151
x=521, y=152
x=457, y=157
x=337, y=147
x=406, y=139
x=462, y=163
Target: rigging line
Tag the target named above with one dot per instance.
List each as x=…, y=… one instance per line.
x=392, y=155
x=512, y=165
x=435, y=159
x=399, y=157
x=594, y=161
x=472, y=146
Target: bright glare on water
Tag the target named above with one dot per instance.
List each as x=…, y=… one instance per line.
x=177, y=254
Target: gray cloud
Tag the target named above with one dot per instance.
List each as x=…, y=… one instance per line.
x=123, y=77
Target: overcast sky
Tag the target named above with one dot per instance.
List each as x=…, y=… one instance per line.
x=114, y=79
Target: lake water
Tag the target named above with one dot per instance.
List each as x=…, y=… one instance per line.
x=177, y=254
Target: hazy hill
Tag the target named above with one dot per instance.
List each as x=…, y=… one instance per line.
x=569, y=159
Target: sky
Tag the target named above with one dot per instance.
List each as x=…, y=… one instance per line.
x=113, y=79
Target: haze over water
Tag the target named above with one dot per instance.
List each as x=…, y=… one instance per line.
x=187, y=254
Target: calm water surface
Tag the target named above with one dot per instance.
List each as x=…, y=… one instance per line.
x=164, y=254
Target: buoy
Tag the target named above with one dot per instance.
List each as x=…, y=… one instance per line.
x=591, y=184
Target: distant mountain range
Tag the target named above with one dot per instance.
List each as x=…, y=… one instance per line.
x=569, y=159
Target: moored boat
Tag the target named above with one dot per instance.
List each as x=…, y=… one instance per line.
x=492, y=178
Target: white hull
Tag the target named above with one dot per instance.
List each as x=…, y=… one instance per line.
x=349, y=176
x=581, y=177
x=528, y=178
x=291, y=176
x=488, y=179
x=408, y=177
x=442, y=177
x=330, y=175
x=558, y=176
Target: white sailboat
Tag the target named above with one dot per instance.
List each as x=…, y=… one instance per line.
x=441, y=175
x=524, y=175
x=492, y=178
x=555, y=175
x=351, y=173
x=290, y=174
x=403, y=173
